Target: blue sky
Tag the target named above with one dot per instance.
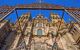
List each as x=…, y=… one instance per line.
x=46, y=13
x=66, y=3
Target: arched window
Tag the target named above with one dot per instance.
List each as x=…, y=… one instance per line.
x=39, y=25
x=39, y=32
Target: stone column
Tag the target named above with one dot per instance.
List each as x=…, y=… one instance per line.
x=13, y=46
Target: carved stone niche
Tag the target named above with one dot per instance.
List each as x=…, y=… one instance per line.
x=52, y=34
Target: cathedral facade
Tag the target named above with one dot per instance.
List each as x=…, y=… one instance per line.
x=40, y=33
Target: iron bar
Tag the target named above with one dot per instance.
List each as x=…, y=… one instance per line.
x=37, y=9
x=5, y=16
x=18, y=20
x=72, y=16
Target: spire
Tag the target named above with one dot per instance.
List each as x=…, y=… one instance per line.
x=39, y=1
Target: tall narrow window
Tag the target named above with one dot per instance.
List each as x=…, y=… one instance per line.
x=39, y=32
